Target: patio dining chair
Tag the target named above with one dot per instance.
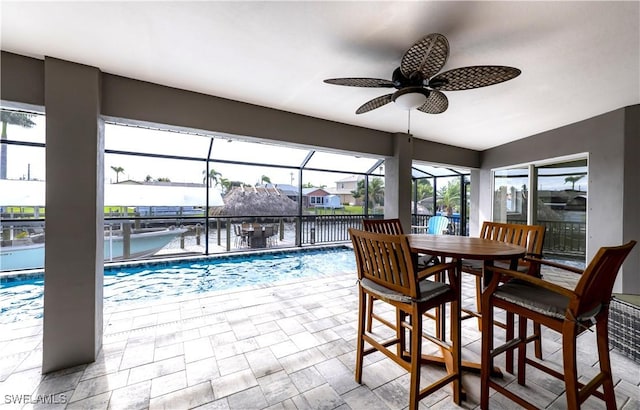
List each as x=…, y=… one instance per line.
x=268, y=234
x=566, y=311
x=240, y=236
x=392, y=226
x=530, y=237
x=386, y=273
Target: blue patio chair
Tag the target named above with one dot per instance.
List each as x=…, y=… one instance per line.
x=438, y=225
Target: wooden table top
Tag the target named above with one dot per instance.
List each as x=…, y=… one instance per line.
x=464, y=247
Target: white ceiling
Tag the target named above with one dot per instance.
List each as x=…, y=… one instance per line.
x=578, y=59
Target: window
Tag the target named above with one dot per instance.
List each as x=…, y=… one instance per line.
x=558, y=200
x=22, y=190
x=562, y=207
x=511, y=188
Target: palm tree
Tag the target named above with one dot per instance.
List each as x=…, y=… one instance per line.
x=14, y=118
x=226, y=184
x=573, y=179
x=118, y=171
x=425, y=189
x=265, y=179
x=450, y=196
x=376, y=192
x=211, y=179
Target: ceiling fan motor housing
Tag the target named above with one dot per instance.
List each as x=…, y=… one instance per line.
x=415, y=79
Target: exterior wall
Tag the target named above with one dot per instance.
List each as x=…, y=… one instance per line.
x=611, y=143
x=344, y=187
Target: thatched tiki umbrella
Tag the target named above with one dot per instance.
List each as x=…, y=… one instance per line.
x=256, y=201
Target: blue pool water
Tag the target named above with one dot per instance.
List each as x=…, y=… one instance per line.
x=22, y=299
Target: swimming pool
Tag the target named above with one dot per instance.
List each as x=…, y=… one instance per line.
x=22, y=299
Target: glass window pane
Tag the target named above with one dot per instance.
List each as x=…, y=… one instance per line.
x=136, y=139
x=421, y=170
x=376, y=194
x=257, y=153
x=22, y=192
x=562, y=208
x=340, y=162
x=135, y=168
x=253, y=174
x=22, y=126
x=332, y=193
x=24, y=162
x=424, y=195
x=511, y=187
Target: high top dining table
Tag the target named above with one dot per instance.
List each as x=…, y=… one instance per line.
x=458, y=248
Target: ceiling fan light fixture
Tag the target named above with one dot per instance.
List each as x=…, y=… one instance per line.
x=410, y=97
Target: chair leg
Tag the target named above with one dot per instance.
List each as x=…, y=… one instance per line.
x=602, y=337
x=416, y=355
x=537, y=331
x=509, y=335
x=362, y=305
x=456, y=346
x=522, y=349
x=486, y=359
x=479, y=300
x=569, y=334
x=401, y=336
x=370, y=300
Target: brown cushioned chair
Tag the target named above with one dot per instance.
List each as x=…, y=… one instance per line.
x=568, y=312
x=386, y=273
x=392, y=226
x=530, y=237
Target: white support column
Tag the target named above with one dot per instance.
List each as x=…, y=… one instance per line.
x=397, y=181
x=75, y=215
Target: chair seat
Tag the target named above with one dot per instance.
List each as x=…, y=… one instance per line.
x=472, y=266
x=428, y=290
x=538, y=299
x=475, y=266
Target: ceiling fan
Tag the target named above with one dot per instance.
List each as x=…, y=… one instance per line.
x=417, y=80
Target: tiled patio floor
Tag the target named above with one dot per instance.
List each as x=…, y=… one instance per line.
x=286, y=346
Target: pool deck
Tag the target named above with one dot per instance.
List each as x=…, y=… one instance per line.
x=290, y=345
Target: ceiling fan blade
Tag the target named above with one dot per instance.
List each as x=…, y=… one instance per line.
x=375, y=103
x=466, y=78
x=361, y=82
x=427, y=56
x=436, y=103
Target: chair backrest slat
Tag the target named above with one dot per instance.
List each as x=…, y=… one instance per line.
x=596, y=283
x=385, y=259
x=386, y=226
x=530, y=237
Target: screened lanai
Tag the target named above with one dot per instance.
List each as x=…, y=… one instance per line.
x=198, y=190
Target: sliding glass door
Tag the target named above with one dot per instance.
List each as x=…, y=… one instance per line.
x=511, y=187
x=562, y=207
x=550, y=193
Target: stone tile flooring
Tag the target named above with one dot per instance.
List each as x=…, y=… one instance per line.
x=286, y=346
